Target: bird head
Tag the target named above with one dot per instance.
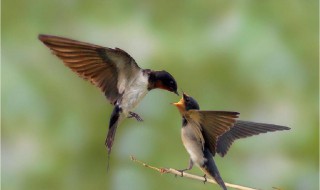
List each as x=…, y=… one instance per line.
x=187, y=103
x=164, y=80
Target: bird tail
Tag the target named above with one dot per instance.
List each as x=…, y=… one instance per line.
x=211, y=169
x=113, y=124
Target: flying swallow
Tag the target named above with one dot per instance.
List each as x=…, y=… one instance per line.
x=115, y=72
x=205, y=133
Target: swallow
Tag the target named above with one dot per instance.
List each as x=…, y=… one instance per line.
x=205, y=133
x=115, y=72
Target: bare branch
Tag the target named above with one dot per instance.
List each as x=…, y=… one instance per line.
x=187, y=175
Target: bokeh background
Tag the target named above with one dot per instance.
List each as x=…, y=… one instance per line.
x=259, y=58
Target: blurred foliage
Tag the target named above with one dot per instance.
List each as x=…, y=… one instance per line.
x=256, y=57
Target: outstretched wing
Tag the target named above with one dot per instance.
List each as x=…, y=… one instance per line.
x=243, y=129
x=109, y=69
x=213, y=124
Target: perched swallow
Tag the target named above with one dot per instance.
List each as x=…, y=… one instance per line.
x=205, y=133
x=115, y=72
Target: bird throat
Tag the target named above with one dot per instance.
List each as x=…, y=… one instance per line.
x=184, y=121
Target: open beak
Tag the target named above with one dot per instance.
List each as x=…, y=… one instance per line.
x=179, y=104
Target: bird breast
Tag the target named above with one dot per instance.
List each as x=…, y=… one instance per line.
x=134, y=93
x=192, y=145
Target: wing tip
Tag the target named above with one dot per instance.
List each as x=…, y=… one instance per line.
x=286, y=128
x=221, y=154
x=43, y=37
x=280, y=128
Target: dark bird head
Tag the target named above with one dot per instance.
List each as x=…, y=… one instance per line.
x=163, y=80
x=187, y=103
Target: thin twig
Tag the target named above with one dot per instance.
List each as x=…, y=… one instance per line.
x=187, y=175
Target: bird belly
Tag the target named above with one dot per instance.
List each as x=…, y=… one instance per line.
x=192, y=145
x=134, y=94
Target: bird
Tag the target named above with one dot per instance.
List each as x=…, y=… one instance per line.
x=205, y=133
x=114, y=72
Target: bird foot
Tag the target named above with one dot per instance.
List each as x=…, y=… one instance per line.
x=205, y=178
x=181, y=171
x=135, y=115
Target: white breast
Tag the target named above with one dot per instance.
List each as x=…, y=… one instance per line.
x=134, y=93
x=192, y=145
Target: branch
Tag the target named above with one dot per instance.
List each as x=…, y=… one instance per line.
x=187, y=175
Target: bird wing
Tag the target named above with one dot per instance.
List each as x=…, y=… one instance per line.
x=243, y=129
x=213, y=124
x=109, y=69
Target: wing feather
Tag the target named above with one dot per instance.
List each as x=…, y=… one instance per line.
x=213, y=124
x=243, y=129
x=101, y=66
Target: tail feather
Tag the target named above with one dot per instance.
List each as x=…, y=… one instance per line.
x=113, y=124
x=211, y=169
x=110, y=137
x=109, y=141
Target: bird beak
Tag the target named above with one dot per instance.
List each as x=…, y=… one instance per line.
x=176, y=92
x=179, y=104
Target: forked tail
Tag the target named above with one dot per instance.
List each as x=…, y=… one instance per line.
x=211, y=169
x=113, y=124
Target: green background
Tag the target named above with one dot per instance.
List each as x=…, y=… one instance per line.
x=259, y=58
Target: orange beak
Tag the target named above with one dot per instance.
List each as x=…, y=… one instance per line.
x=180, y=104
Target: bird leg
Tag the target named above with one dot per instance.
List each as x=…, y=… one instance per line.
x=189, y=167
x=205, y=178
x=135, y=115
